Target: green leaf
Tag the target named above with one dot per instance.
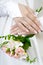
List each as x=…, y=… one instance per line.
x=13, y=51
x=5, y=37
x=13, y=37
x=3, y=43
x=26, y=44
x=33, y=60
x=39, y=9
x=28, y=41
x=24, y=39
x=7, y=50
x=30, y=36
x=27, y=58
x=20, y=38
x=30, y=60
x=1, y=36
x=9, y=36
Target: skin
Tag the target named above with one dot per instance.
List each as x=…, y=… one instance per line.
x=27, y=24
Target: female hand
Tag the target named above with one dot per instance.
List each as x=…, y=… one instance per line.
x=28, y=24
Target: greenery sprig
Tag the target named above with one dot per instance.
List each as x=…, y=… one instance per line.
x=24, y=39
x=5, y=42
x=39, y=9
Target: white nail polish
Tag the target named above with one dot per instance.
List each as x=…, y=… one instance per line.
x=39, y=31
x=35, y=15
x=27, y=30
x=35, y=31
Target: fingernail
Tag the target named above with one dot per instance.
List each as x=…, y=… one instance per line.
x=39, y=31
x=27, y=30
x=35, y=32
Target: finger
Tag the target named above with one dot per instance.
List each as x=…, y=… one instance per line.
x=33, y=16
x=32, y=24
x=34, y=19
x=23, y=9
x=13, y=26
x=28, y=8
x=26, y=25
x=18, y=31
x=14, y=29
x=15, y=32
x=23, y=33
x=27, y=12
x=20, y=25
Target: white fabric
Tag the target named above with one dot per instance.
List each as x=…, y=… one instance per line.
x=13, y=9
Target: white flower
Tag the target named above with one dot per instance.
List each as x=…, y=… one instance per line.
x=13, y=44
x=18, y=43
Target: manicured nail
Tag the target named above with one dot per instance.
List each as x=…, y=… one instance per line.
x=35, y=32
x=39, y=31
x=27, y=30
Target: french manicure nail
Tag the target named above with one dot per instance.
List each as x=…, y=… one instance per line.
x=39, y=31
x=35, y=32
